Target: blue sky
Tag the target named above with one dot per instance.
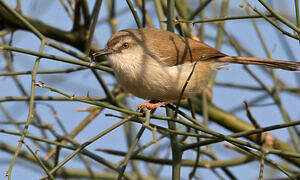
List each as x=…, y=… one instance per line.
x=79, y=83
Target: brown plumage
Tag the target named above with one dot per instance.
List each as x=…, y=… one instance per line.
x=178, y=50
x=155, y=64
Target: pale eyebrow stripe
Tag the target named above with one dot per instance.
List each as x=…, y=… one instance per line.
x=116, y=40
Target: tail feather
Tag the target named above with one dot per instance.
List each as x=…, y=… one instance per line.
x=278, y=64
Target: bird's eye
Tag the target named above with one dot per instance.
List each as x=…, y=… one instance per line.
x=125, y=45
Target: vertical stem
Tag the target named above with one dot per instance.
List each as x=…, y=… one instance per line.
x=262, y=163
x=31, y=102
x=112, y=20
x=135, y=15
x=160, y=13
x=146, y=17
x=182, y=9
x=30, y=113
x=279, y=17
x=81, y=147
x=131, y=150
x=133, y=145
x=18, y=5
x=95, y=15
x=9, y=60
x=171, y=6
x=220, y=35
x=297, y=13
x=276, y=95
x=199, y=9
x=219, y=39
x=204, y=109
x=129, y=131
x=201, y=30
x=144, y=12
x=39, y=161
x=193, y=172
x=176, y=151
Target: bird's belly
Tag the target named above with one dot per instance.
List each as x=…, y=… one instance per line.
x=152, y=86
x=164, y=83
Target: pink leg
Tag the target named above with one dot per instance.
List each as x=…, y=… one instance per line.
x=150, y=106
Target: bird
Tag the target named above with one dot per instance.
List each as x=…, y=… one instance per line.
x=155, y=64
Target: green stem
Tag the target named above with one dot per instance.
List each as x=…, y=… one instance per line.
x=40, y=162
x=135, y=15
x=54, y=57
x=75, y=152
x=223, y=19
x=171, y=8
x=160, y=13
x=30, y=113
x=279, y=17
x=132, y=147
x=199, y=9
x=55, y=71
x=175, y=147
x=95, y=15
x=297, y=13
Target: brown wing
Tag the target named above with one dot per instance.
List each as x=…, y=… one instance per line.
x=174, y=49
x=169, y=48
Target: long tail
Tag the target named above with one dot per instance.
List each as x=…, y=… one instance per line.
x=286, y=65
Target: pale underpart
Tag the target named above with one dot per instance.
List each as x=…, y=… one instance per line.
x=153, y=80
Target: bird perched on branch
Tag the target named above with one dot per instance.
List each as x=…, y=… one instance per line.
x=155, y=64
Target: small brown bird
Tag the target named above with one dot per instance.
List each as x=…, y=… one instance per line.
x=155, y=64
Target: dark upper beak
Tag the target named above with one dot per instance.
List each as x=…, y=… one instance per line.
x=101, y=52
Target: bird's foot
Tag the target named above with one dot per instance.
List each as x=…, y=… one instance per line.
x=150, y=105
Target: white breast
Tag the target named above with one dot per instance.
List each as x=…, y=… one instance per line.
x=149, y=79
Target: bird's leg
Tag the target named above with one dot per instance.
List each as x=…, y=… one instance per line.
x=153, y=104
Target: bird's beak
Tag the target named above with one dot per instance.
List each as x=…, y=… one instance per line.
x=101, y=52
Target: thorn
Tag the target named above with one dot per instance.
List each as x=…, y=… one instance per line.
x=154, y=133
x=82, y=109
x=72, y=97
x=40, y=84
x=244, y=4
x=206, y=165
x=267, y=140
x=89, y=109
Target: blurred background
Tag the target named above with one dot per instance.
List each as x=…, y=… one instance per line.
x=245, y=35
